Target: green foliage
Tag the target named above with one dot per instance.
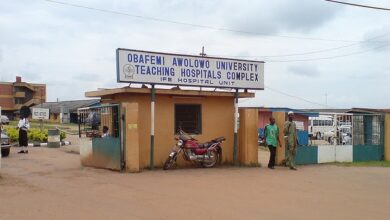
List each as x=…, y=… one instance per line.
x=62, y=135
x=13, y=134
x=33, y=134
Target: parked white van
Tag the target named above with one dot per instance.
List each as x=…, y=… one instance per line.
x=320, y=125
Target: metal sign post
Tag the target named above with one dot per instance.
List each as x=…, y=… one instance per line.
x=235, y=146
x=40, y=114
x=152, y=100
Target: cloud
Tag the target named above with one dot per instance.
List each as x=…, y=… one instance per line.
x=301, y=16
x=72, y=50
x=377, y=39
x=304, y=70
x=88, y=77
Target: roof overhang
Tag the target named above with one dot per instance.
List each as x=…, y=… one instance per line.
x=175, y=92
x=282, y=109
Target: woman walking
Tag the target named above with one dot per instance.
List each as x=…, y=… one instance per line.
x=23, y=126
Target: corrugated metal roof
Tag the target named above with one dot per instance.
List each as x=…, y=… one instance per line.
x=368, y=110
x=284, y=109
x=72, y=106
x=328, y=110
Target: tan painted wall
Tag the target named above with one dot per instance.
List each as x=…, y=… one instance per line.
x=280, y=118
x=387, y=137
x=217, y=120
x=248, y=137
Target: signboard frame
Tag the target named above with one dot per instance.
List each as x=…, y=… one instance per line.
x=191, y=56
x=46, y=110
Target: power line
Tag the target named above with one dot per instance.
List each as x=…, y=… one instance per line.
x=327, y=58
x=291, y=96
x=297, y=97
x=359, y=5
x=313, y=52
x=194, y=25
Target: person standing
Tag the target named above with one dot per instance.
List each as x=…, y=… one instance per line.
x=290, y=134
x=105, y=132
x=23, y=127
x=271, y=133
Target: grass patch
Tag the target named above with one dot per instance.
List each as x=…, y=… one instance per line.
x=366, y=164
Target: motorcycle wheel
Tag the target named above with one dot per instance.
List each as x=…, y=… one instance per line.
x=169, y=163
x=212, y=162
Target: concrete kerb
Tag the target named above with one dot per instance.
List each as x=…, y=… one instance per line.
x=63, y=143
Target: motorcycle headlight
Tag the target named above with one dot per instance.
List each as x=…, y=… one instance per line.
x=180, y=143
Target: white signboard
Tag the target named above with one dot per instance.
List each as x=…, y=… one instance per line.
x=135, y=66
x=40, y=113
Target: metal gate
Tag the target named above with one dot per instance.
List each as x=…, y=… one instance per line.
x=99, y=130
x=331, y=129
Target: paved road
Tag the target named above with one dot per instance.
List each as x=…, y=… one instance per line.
x=51, y=184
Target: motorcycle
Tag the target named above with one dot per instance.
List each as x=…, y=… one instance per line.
x=205, y=154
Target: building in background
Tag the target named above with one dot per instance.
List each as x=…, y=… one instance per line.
x=66, y=111
x=301, y=119
x=14, y=95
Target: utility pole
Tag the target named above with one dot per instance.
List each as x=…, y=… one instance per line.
x=41, y=120
x=203, y=55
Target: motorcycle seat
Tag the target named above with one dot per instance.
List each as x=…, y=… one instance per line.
x=219, y=139
x=205, y=145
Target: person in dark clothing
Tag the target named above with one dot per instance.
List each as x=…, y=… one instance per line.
x=23, y=127
x=271, y=132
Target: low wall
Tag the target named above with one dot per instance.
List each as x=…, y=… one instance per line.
x=335, y=153
x=338, y=153
x=367, y=152
x=101, y=153
x=307, y=155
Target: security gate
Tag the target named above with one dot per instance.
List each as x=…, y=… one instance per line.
x=101, y=139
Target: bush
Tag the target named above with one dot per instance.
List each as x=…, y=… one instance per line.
x=62, y=135
x=34, y=134
x=13, y=134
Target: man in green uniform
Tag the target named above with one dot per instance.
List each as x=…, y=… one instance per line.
x=271, y=132
x=290, y=135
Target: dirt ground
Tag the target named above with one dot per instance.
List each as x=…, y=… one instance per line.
x=51, y=184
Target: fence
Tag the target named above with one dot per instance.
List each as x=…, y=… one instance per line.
x=99, y=130
x=99, y=121
x=331, y=129
x=358, y=137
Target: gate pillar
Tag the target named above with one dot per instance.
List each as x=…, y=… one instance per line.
x=280, y=118
x=131, y=136
x=387, y=137
x=248, y=137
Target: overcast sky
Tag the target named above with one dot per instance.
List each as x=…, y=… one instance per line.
x=72, y=49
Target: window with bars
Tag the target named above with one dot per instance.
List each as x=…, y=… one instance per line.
x=188, y=117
